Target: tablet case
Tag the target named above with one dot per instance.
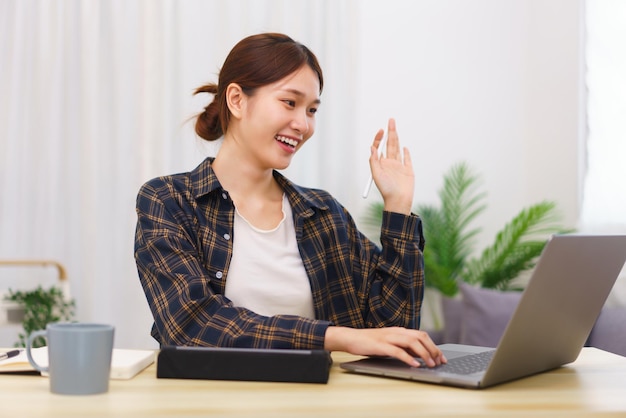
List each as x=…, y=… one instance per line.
x=270, y=365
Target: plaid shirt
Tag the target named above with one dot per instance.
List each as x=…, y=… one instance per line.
x=183, y=247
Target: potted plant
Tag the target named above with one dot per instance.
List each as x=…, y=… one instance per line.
x=450, y=237
x=41, y=307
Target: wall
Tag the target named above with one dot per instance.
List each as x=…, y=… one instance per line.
x=494, y=83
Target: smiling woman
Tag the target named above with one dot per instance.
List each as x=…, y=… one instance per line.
x=280, y=113
x=233, y=254
x=247, y=67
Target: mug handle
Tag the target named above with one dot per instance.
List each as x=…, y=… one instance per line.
x=31, y=337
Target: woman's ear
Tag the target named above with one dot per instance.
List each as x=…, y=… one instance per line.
x=235, y=98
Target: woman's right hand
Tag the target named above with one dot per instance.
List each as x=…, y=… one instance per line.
x=393, y=174
x=402, y=343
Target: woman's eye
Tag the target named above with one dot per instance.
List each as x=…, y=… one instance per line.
x=291, y=103
x=313, y=110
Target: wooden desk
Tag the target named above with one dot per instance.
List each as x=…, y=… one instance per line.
x=594, y=385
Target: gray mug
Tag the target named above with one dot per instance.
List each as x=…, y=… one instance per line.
x=79, y=357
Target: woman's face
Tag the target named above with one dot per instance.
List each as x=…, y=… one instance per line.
x=279, y=118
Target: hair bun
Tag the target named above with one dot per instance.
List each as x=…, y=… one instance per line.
x=208, y=124
x=207, y=88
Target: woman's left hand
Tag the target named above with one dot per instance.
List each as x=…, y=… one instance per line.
x=393, y=173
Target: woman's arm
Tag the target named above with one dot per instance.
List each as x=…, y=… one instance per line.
x=396, y=279
x=395, y=276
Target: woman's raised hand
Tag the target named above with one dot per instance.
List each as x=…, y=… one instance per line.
x=393, y=172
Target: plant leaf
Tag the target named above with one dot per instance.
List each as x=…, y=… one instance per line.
x=516, y=247
x=41, y=307
x=448, y=241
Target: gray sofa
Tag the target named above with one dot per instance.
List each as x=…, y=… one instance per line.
x=479, y=317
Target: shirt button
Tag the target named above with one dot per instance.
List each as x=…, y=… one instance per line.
x=226, y=237
x=224, y=195
x=219, y=274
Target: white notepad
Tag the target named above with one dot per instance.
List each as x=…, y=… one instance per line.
x=125, y=363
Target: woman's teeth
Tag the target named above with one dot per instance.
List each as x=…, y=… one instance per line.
x=288, y=141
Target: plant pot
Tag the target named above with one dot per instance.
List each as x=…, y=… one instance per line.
x=15, y=314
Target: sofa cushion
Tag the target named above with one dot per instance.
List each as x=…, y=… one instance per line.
x=609, y=332
x=452, y=309
x=485, y=315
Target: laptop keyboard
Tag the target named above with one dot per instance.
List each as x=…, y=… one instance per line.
x=469, y=364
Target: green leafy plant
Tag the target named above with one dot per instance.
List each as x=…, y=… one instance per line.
x=41, y=307
x=450, y=236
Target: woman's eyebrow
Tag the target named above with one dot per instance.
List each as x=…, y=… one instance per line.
x=301, y=94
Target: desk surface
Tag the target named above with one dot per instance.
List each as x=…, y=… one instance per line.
x=593, y=385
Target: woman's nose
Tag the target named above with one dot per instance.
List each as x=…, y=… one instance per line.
x=301, y=123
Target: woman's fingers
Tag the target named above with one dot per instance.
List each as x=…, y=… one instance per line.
x=393, y=149
x=377, y=139
x=393, y=142
x=428, y=351
x=407, y=158
x=402, y=343
x=418, y=344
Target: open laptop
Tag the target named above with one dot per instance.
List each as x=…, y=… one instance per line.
x=551, y=323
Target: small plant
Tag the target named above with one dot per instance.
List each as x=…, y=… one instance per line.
x=41, y=307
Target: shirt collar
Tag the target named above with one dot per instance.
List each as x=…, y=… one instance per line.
x=204, y=181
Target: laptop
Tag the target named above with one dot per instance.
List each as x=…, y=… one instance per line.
x=560, y=305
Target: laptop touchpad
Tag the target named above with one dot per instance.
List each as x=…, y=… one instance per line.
x=450, y=354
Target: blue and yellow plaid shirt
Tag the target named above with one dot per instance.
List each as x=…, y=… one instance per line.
x=183, y=247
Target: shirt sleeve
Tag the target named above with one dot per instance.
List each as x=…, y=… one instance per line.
x=185, y=307
x=395, y=274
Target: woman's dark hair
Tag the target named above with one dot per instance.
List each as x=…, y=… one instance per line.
x=254, y=62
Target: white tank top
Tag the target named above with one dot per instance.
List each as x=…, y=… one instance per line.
x=266, y=273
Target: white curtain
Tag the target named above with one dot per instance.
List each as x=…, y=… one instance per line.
x=604, y=203
x=604, y=194
x=96, y=99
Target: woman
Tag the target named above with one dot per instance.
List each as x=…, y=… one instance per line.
x=233, y=254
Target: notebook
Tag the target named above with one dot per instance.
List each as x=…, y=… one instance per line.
x=549, y=327
x=125, y=363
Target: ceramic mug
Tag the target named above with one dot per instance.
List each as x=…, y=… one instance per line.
x=79, y=357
